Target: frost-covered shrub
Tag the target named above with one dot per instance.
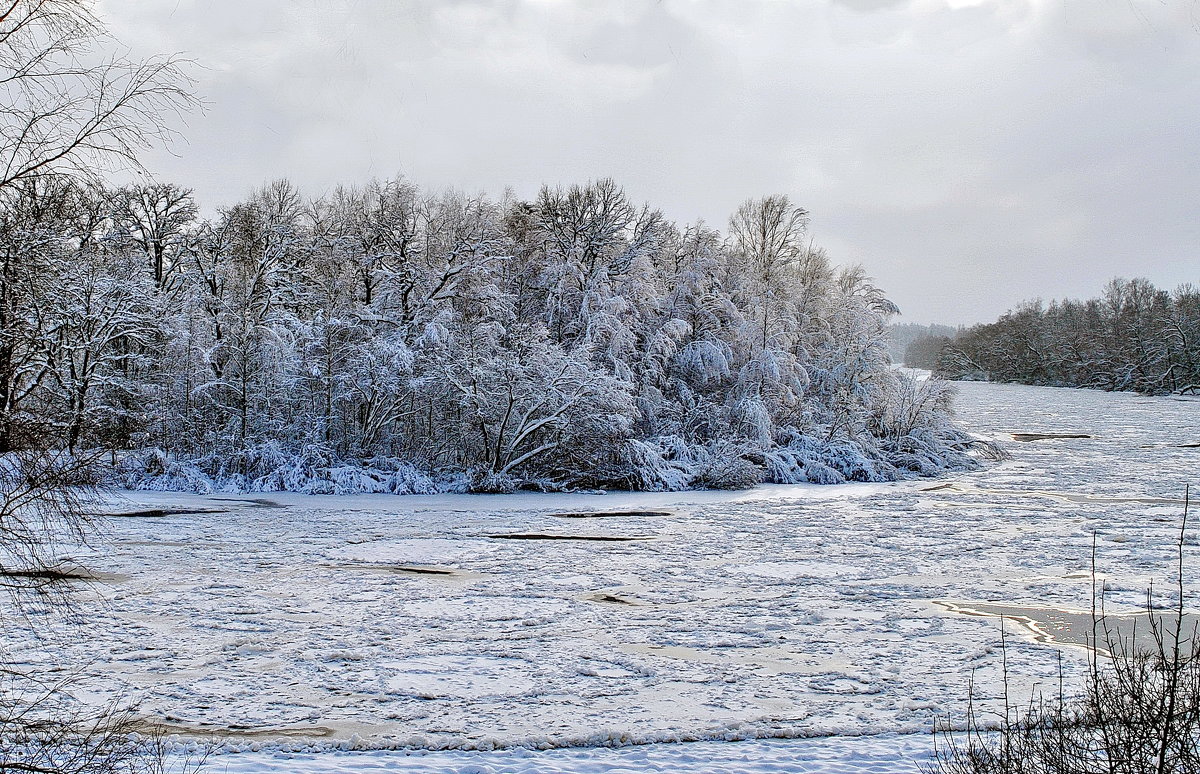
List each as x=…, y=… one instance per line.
x=652, y=467
x=854, y=463
x=927, y=453
x=487, y=482
x=827, y=462
x=727, y=467
x=270, y=469
x=704, y=362
x=818, y=472
x=156, y=470
x=786, y=465
x=398, y=476
x=309, y=471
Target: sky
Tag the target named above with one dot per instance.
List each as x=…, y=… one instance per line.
x=970, y=154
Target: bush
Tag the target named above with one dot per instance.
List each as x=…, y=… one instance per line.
x=726, y=471
x=1139, y=713
x=43, y=729
x=487, y=482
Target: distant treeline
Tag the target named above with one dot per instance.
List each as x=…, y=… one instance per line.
x=1134, y=337
x=382, y=338
x=902, y=335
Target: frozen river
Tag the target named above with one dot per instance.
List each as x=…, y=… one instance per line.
x=443, y=625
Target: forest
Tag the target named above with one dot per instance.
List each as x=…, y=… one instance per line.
x=901, y=335
x=383, y=338
x=1133, y=337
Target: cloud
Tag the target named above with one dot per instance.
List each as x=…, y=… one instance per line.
x=867, y=6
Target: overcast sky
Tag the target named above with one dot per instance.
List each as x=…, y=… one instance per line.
x=969, y=154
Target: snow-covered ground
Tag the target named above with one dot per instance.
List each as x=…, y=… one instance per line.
x=297, y=628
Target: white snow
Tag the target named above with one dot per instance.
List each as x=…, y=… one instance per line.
x=419, y=551
x=789, y=570
x=768, y=615
x=886, y=754
x=465, y=677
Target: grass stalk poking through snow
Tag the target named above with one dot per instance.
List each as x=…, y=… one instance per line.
x=1139, y=712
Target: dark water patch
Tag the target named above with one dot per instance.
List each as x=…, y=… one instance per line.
x=1046, y=436
x=416, y=570
x=46, y=574
x=254, y=502
x=1058, y=626
x=612, y=514
x=612, y=599
x=176, y=726
x=158, y=513
x=544, y=536
x=63, y=574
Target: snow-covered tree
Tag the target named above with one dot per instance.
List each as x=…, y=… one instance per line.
x=1134, y=337
x=576, y=340
x=154, y=217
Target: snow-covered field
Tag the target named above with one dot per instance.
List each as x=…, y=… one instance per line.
x=405, y=633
